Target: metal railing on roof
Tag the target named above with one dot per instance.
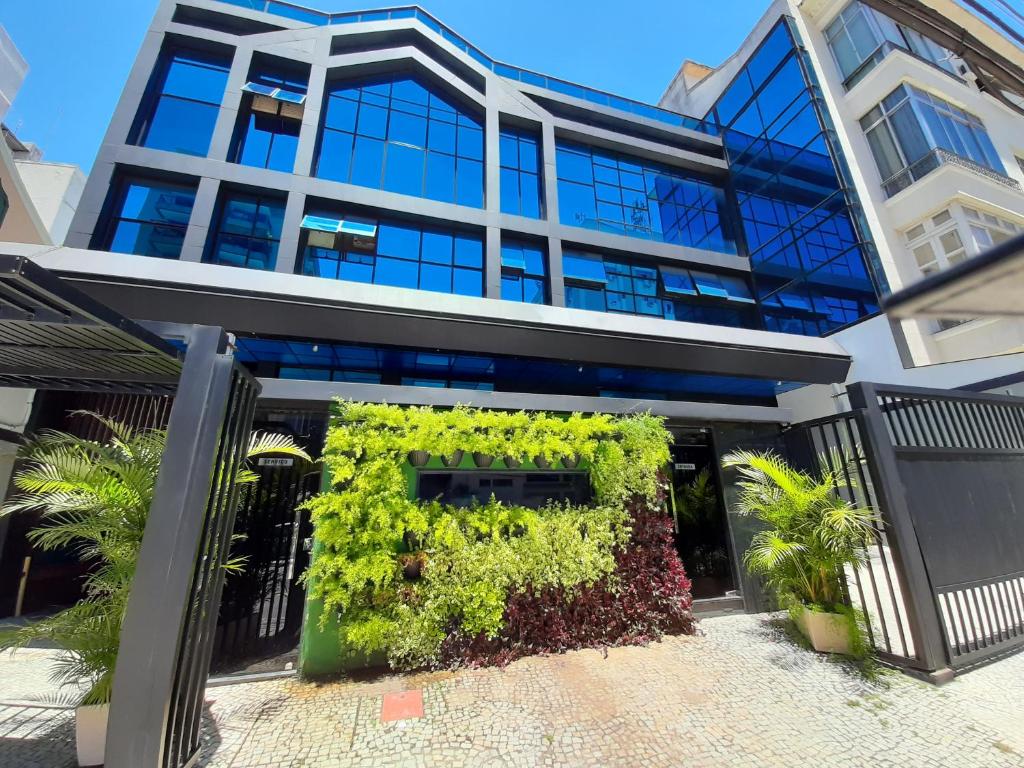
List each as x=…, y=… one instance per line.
x=603, y=98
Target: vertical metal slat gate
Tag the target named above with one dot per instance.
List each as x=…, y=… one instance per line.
x=170, y=621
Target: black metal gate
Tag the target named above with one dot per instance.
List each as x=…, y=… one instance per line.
x=943, y=586
x=261, y=607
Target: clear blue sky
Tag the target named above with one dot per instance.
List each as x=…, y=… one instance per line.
x=80, y=51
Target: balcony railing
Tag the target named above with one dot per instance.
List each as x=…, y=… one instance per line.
x=937, y=157
x=322, y=18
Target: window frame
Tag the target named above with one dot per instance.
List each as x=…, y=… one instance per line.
x=114, y=215
x=216, y=236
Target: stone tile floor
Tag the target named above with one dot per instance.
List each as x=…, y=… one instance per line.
x=742, y=694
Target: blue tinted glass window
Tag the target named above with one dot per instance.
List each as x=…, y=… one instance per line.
x=607, y=284
x=149, y=218
x=520, y=176
x=182, y=102
x=523, y=272
x=610, y=192
x=247, y=232
x=794, y=209
x=268, y=132
x=403, y=255
x=395, y=133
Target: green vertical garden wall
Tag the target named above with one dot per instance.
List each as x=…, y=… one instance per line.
x=398, y=580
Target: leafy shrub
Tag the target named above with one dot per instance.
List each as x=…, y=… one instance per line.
x=478, y=560
x=646, y=596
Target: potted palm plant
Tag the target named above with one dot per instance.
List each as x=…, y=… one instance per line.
x=95, y=497
x=811, y=536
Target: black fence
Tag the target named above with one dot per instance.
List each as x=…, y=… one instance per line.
x=942, y=586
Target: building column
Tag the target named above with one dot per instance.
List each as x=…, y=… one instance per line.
x=288, y=248
x=555, y=277
x=201, y=220
x=304, y=154
x=492, y=264
x=492, y=194
x=556, y=280
x=227, y=117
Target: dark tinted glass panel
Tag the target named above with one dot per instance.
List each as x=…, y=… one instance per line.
x=624, y=195
x=405, y=256
x=390, y=365
x=182, y=102
x=520, y=179
x=150, y=218
x=247, y=232
x=375, y=133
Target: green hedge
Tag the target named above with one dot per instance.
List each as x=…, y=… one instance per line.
x=367, y=527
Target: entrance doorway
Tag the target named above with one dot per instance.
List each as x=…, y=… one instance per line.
x=702, y=532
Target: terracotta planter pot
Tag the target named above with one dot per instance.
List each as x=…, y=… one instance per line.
x=454, y=460
x=483, y=460
x=570, y=462
x=512, y=463
x=91, y=733
x=419, y=458
x=826, y=632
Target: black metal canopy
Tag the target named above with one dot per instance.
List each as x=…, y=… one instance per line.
x=53, y=336
x=989, y=285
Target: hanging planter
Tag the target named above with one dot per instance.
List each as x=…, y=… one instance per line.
x=419, y=458
x=512, y=462
x=412, y=565
x=544, y=463
x=571, y=462
x=482, y=460
x=454, y=459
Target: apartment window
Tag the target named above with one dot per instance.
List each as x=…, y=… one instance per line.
x=269, y=121
x=605, y=284
x=523, y=272
x=248, y=231
x=150, y=218
x=520, y=173
x=397, y=134
x=860, y=37
x=952, y=236
x=399, y=254
x=185, y=95
x=606, y=191
x=911, y=131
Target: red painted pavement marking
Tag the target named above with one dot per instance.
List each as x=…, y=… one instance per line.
x=401, y=706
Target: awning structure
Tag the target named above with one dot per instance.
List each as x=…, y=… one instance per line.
x=989, y=285
x=53, y=336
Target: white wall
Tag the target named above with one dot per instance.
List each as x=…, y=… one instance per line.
x=876, y=359
x=54, y=189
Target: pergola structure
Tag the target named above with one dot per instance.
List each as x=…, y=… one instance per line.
x=53, y=336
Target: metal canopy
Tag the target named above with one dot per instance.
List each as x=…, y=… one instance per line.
x=989, y=285
x=53, y=336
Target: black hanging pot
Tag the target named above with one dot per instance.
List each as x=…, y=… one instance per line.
x=543, y=463
x=512, y=462
x=419, y=458
x=482, y=460
x=454, y=460
x=571, y=462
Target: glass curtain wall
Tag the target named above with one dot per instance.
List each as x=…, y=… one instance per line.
x=183, y=99
x=149, y=217
x=403, y=255
x=325, y=361
x=605, y=284
x=524, y=273
x=909, y=125
x=610, y=192
x=268, y=130
x=798, y=217
x=247, y=231
x=520, y=173
x=397, y=134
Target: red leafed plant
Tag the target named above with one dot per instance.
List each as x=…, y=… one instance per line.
x=647, y=596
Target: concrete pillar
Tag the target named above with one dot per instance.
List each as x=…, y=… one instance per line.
x=201, y=220
x=288, y=249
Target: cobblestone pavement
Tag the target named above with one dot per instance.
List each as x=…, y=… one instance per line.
x=740, y=695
